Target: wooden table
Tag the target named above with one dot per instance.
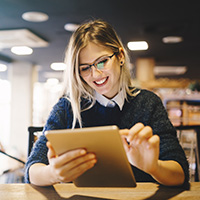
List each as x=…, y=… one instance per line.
x=145, y=191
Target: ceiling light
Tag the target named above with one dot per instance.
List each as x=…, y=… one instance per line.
x=58, y=66
x=71, y=27
x=169, y=70
x=3, y=68
x=52, y=81
x=35, y=16
x=172, y=39
x=21, y=50
x=49, y=74
x=138, y=45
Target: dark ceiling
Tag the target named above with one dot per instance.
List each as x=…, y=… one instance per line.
x=148, y=20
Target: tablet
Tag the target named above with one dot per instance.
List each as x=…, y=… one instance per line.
x=112, y=168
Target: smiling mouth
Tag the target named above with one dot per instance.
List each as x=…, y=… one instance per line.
x=101, y=82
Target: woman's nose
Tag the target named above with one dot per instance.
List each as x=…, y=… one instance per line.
x=95, y=72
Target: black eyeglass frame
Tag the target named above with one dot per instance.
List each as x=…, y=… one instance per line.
x=94, y=63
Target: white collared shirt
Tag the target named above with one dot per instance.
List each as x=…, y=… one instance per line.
x=118, y=99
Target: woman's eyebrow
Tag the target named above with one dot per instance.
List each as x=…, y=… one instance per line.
x=93, y=61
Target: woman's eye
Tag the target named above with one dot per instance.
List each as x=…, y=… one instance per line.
x=85, y=68
x=101, y=63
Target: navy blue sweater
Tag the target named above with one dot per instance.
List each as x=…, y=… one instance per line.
x=146, y=108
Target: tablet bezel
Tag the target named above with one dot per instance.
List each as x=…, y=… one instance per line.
x=112, y=168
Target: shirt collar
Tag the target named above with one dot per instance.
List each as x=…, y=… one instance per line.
x=118, y=99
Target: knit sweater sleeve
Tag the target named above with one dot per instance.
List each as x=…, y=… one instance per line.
x=170, y=149
x=59, y=118
x=148, y=109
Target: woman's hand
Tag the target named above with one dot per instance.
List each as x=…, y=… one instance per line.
x=70, y=165
x=142, y=147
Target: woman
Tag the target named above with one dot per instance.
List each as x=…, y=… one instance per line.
x=98, y=92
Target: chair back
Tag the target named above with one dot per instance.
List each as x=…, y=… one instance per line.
x=32, y=137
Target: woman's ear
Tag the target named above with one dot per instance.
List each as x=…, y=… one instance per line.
x=121, y=56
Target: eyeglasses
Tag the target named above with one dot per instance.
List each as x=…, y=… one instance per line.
x=100, y=64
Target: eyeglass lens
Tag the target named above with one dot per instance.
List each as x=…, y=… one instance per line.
x=100, y=64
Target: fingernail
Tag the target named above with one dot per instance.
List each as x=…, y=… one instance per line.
x=93, y=161
x=82, y=152
x=91, y=156
x=137, y=141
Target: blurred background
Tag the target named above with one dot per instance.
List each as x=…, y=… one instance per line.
x=33, y=39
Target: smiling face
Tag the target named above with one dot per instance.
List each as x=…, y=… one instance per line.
x=107, y=80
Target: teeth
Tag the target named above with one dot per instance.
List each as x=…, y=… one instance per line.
x=101, y=81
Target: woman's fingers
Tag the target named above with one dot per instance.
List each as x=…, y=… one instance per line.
x=137, y=134
x=125, y=144
x=69, y=156
x=141, y=146
x=74, y=169
x=65, y=157
x=75, y=163
x=124, y=132
x=71, y=170
x=144, y=134
x=71, y=164
x=133, y=132
x=51, y=152
x=154, y=141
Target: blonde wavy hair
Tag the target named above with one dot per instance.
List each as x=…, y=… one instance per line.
x=100, y=33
